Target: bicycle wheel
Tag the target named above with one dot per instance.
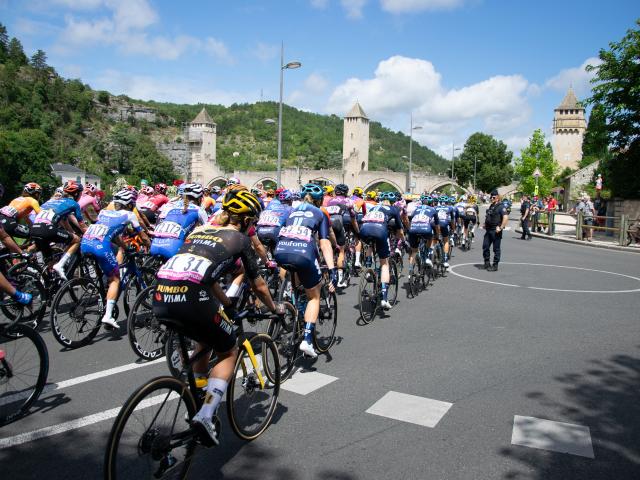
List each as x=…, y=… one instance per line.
x=146, y=334
x=368, y=295
x=24, y=366
x=32, y=314
x=286, y=332
x=285, y=292
x=76, y=313
x=175, y=362
x=130, y=293
x=325, y=332
x=392, y=289
x=250, y=406
x=151, y=436
x=397, y=257
x=414, y=283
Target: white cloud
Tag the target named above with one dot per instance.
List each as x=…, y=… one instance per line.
x=316, y=83
x=217, y=49
x=319, y=4
x=410, y=6
x=577, y=77
x=353, y=7
x=265, y=52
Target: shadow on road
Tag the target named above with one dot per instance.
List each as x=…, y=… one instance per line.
x=604, y=398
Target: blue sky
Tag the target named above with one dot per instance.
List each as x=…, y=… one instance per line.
x=459, y=65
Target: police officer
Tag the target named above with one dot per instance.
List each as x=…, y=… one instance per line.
x=496, y=220
x=525, y=213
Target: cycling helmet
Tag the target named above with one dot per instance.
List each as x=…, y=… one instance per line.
x=256, y=192
x=241, y=201
x=233, y=181
x=314, y=190
x=72, y=187
x=161, y=188
x=425, y=197
x=180, y=190
x=341, y=189
x=328, y=189
x=59, y=191
x=452, y=200
x=124, y=197
x=386, y=196
x=285, y=196
x=215, y=189
x=193, y=190
x=278, y=190
x=32, y=188
x=206, y=190
x=372, y=195
x=443, y=198
x=358, y=192
x=295, y=195
x=147, y=190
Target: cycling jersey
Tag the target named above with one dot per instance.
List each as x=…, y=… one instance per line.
x=444, y=218
x=297, y=243
x=169, y=234
x=460, y=209
x=55, y=210
x=208, y=203
x=20, y=207
x=375, y=227
x=271, y=221
x=96, y=241
x=422, y=222
x=183, y=292
x=341, y=211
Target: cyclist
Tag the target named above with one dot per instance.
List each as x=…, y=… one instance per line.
x=208, y=201
x=375, y=227
x=460, y=206
x=444, y=215
x=56, y=222
x=297, y=247
x=339, y=207
x=273, y=218
x=179, y=221
x=422, y=220
x=471, y=214
x=89, y=204
x=156, y=198
x=207, y=254
x=102, y=240
x=14, y=218
x=360, y=207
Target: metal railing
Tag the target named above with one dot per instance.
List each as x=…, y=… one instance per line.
x=550, y=221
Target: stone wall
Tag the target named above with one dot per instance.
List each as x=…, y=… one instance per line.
x=178, y=153
x=630, y=208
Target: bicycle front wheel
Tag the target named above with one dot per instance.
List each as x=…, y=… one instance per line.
x=30, y=315
x=392, y=289
x=250, y=404
x=146, y=334
x=325, y=332
x=152, y=437
x=24, y=366
x=286, y=333
x=368, y=295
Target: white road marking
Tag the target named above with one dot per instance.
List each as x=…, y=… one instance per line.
x=410, y=408
x=453, y=267
x=77, y=423
x=553, y=436
x=303, y=383
x=52, y=387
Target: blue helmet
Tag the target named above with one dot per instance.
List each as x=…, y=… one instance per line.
x=315, y=191
x=425, y=197
x=285, y=196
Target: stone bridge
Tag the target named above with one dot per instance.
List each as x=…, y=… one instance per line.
x=368, y=180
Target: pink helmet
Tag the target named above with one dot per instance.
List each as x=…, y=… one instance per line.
x=147, y=190
x=90, y=188
x=161, y=188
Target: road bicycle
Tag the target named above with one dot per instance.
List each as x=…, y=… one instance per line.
x=24, y=367
x=79, y=305
x=423, y=273
x=470, y=235
x=152, y=434
x=26, y=281
x=370, y=289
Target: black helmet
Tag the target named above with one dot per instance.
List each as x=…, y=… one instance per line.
x=341, y=189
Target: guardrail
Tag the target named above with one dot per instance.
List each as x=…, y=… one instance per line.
x=549, y=221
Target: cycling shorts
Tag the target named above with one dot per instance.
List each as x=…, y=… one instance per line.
x=13, y=227
x=195, y=307
x=444, y=229
x=268, y=236
x=306, y=266
x=165, y=247
x=338, y=229
x=43, y=234
x=469, y=219
x=104, y=252
x=378, y=234
x=415, y=236
x=150, y=214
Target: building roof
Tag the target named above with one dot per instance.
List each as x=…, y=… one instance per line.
x=570, y=102
x=356, y=112
x=63, y=167
x=203, y=117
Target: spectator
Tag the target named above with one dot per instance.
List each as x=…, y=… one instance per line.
x=585, y=206
x=525, y=212
x=552, y=204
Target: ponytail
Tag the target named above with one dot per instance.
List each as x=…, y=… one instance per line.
x=185, y=204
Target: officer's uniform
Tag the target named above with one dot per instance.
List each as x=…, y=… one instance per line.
x=493, y=219
x=525, y=208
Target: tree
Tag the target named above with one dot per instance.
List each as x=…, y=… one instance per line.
x=492, y=162
x=147, y=163
x=15, y=52
x=4, y=43
x=537, y=154
x=616, y=91
x=595, y=145
x=39, y=60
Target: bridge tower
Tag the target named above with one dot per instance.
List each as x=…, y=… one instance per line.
x=200, y=135
x=569, y=126
x=355, y=144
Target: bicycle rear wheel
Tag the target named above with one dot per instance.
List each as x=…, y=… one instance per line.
x=325, y=332
x=32, y=314
x=368, y=295
x=286, y=332
x=76, y=313
x=172, y=353
x=146, y=334
x=250, y=406
x=24, y=366
x=151, y=436
x=392, y=289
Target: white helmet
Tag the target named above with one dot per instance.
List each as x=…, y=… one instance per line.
x=193, y=190
x=124, y=197
x=233, y=181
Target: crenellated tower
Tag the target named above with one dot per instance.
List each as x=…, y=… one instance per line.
x=569, y=126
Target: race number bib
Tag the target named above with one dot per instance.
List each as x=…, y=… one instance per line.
x=296, y=232
x=8, y=211
x=45, y=216
x=168, y=230
x=185, y=266
x=148, y=205
x=333, y=209
x=269, y=219
x=420, y=218
x=443, y=215
x=471, y=212
x=374, y=217
x=96, y=231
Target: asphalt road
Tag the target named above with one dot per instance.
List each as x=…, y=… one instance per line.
x=482, y=376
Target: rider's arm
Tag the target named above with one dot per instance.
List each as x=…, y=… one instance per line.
x=325, y=232
x=75, y=222
x=8, y=242
x=399, y=230
x=258, y=285
x=259, y=248
x=133, y=220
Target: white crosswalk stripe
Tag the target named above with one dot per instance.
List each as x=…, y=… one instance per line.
x=410, y=408
x=553, y=436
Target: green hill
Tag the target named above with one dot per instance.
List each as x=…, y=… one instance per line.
x=45, y=118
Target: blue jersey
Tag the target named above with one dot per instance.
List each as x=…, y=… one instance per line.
x=444, y=214
x=169, y=235
x=274, y=215
x=110, y=224
x=273, y=204
x=302, y=224
x=382, y=215
x=54, y=210
x=422, y=218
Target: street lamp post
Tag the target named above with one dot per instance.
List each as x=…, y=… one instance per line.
x=536, y=174
x=283, y=67
x=474, y=173
x=410, y=173
x=454, y=149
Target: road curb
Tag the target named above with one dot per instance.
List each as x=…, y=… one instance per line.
x=581, y=243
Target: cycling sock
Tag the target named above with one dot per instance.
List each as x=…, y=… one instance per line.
x=340, y=274
x=22, y=297
x=446, y=257
x=384, y=287
x=232, y=291
x=215, y=391
x=308, y=332
x=63, y=260
x=109, y=312
x=358, y=258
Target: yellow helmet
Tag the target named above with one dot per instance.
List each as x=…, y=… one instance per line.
x=472, y=199
x=358, y=191
x=239, y=200
x=372, y=195
x=328, y=189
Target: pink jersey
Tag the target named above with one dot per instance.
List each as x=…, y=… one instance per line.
x=153, y=203
x=86, y=200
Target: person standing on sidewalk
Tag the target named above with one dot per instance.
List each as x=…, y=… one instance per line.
x=496, y=220
x=525, y=213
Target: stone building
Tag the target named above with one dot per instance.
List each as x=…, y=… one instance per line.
x=200, y=135
x=569, y=126
x=355, y=143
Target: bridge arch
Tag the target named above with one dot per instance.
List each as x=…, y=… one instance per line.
x=320, y=181
x=444, y=183
x=266, y=181
x=373, y=184
x=217, y=181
